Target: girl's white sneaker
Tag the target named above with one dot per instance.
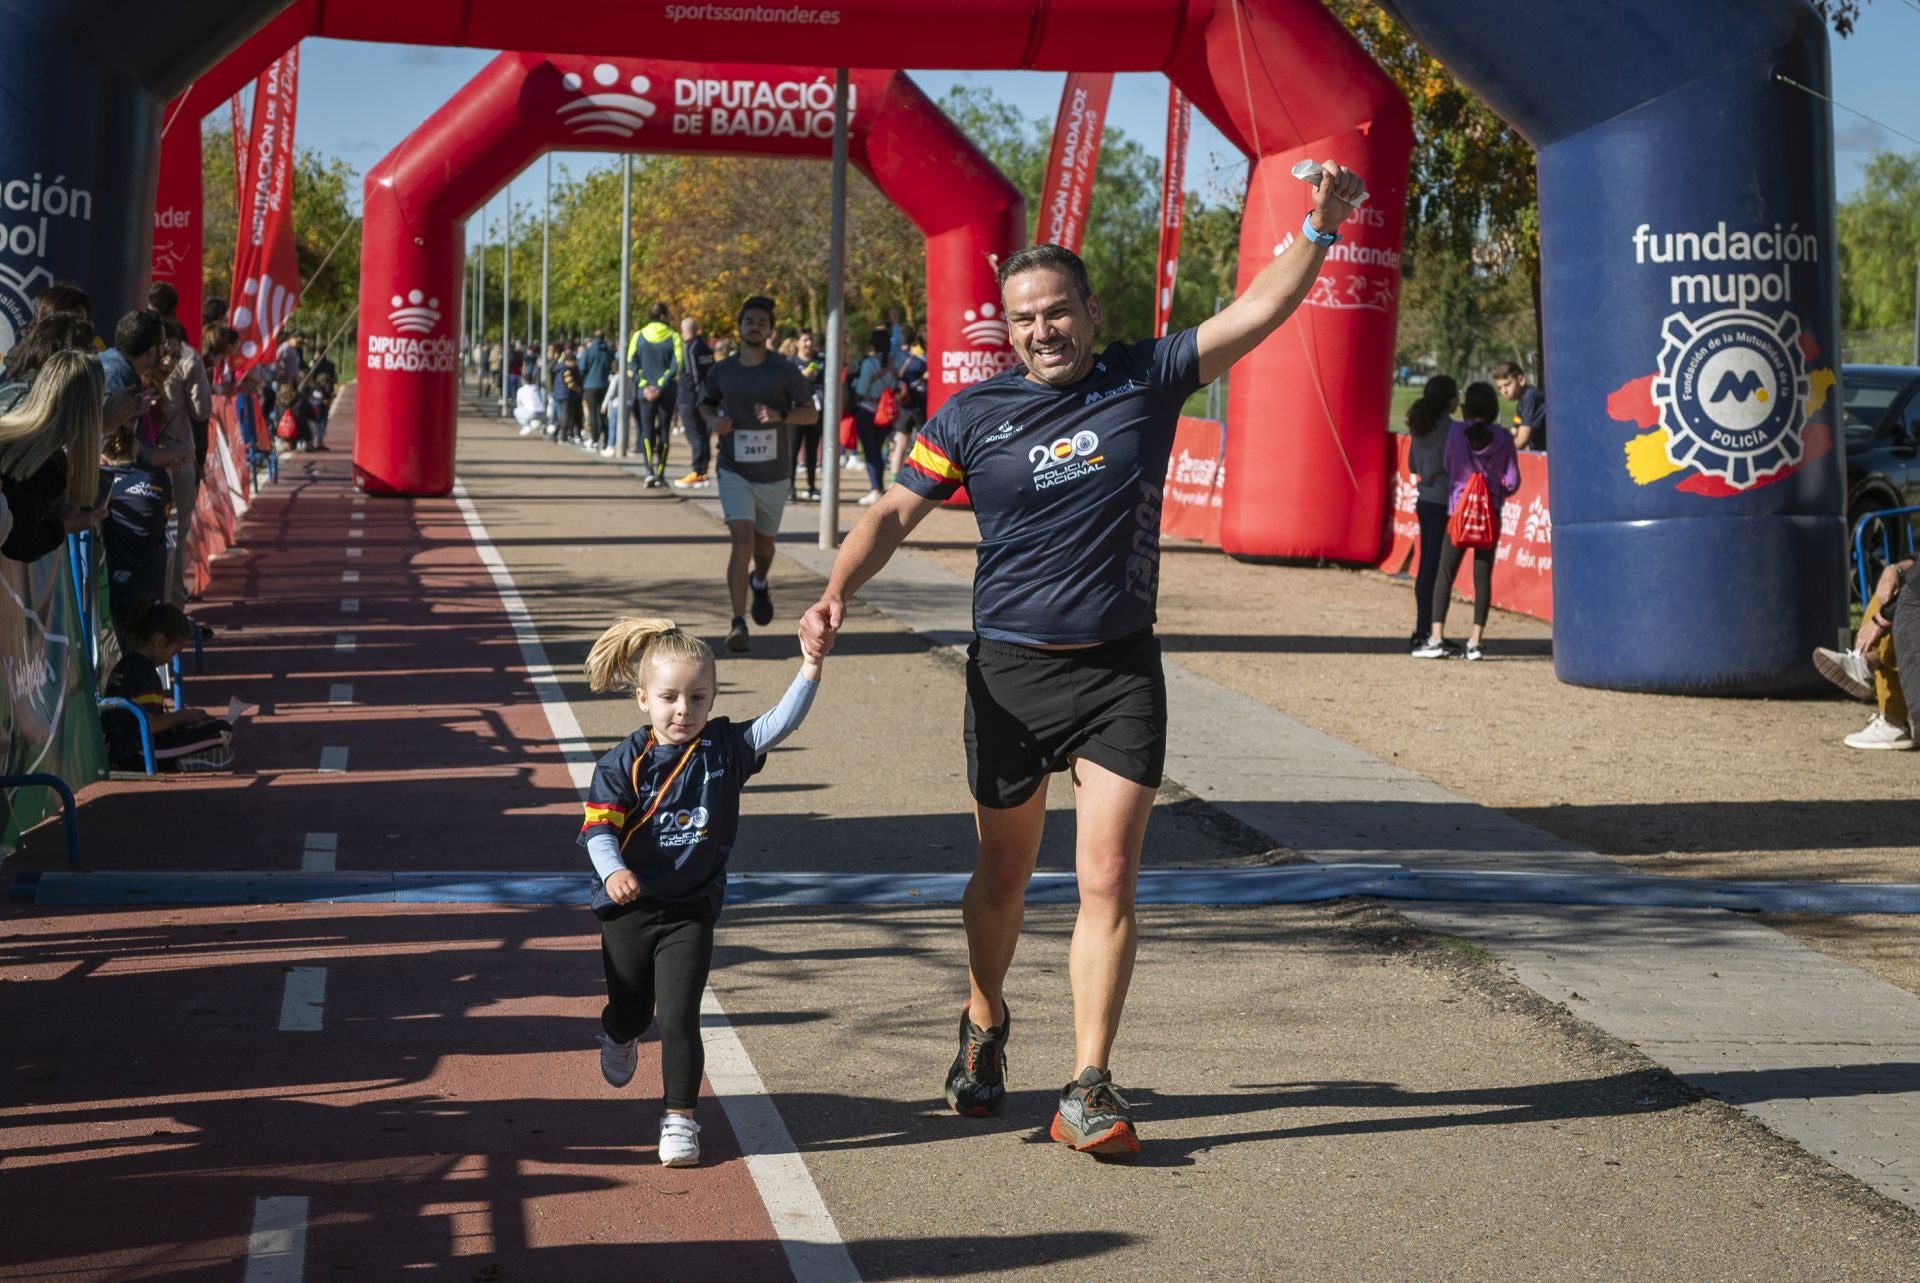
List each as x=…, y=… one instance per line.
x=679, y=1141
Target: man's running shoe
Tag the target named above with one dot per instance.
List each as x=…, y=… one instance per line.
x=977, y=1083
x=762, y=601
x=1093, y=1116
x=693, y=481
x=737, y=641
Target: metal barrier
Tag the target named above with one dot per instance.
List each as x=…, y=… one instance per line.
x=140, y=716
x=1886, y=545
x=69, y=813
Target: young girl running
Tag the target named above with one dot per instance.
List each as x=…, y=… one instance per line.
x=1476, y=445
x=661, y=817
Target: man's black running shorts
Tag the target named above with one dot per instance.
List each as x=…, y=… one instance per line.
x=1029, y=710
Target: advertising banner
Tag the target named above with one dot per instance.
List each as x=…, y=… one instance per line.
x=1173, y=199
x=176, y=216
x=1195, y=473
x=225, y=492
x=51, y=724
x=266, y=276
x=1067, y=193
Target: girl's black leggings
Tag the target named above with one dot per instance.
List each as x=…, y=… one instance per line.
x=1433, y=537
x=656, y=959
x=1482, y=580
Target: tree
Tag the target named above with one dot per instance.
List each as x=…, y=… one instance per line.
x=1880, y=244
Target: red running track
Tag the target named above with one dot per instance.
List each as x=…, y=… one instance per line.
x=447, y=1113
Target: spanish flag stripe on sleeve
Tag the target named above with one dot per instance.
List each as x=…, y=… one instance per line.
x=936, y=465
x=156, y=699
x=600, y=813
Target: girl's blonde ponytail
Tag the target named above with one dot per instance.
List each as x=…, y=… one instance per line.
x=620, y=659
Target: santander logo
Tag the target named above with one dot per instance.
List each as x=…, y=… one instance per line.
x=415, y=313
x=984, y=327
x=608, y=108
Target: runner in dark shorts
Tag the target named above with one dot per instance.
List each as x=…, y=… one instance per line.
x=1065, y=459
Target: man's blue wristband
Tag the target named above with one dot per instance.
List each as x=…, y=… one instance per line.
x=1319, y=238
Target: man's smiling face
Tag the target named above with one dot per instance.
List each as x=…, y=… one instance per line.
x=1050, y=325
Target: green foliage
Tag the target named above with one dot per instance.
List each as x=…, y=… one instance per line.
x=323, y=224
x=1880, y=244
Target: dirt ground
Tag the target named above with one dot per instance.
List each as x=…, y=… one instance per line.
x=1723, y=788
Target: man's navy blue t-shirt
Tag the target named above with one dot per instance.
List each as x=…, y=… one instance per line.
x=1066, y=484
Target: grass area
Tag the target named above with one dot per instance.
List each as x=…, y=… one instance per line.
x=1465, y=948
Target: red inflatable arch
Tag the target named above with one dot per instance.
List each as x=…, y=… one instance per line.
x=1307, y=453
x=522, y=104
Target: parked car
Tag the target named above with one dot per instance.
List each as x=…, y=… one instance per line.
x=1882, y=418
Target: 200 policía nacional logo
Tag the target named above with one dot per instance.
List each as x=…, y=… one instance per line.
x=1732, y=393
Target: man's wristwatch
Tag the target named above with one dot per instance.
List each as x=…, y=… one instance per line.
x=1322, y=239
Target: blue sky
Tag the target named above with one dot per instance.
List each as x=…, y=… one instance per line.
x=358, y=100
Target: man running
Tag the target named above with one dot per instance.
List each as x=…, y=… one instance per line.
x=654, y=358
x=1065, y=460
x=752, y=401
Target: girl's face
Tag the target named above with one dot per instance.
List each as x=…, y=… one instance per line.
x=677, y=697
x=158, y=649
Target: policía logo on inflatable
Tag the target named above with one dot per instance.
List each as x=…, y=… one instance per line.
x=605, y=107
x=1732, y=392
x=1738, y=395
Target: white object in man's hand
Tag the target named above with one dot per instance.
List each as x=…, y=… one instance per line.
x=1310, y=171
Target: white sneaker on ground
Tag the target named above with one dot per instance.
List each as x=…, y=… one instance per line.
x=1430, y=650
x=1846, y=669
x=1880, y=733
x=679, y=1141
x=608, y=453
x=529, y=430
x=1473, y=651
x=618, y=1060
x=870, y=498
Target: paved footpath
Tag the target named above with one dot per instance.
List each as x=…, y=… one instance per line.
x=1821, y=1052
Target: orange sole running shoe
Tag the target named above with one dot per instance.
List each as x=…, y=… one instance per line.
x=1093, y=1117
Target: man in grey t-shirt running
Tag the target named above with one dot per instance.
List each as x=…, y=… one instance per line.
x=752, y=401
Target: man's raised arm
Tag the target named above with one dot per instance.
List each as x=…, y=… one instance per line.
x=1238, y=328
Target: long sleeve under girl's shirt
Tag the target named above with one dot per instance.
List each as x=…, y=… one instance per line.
x=679, y=853
x=1498, y=461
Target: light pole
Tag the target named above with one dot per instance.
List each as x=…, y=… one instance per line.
x=617, y=422
x=836, y=305
x=506, y=300
x=546, y=227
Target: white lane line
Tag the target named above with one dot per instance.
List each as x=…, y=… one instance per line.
x=350, y=605
x=359, y=516
x=277, y=1246
x=319, y=853
x=333, y=761
x=345, y=643
x=340, y=693
x=356, y=533
x=353, y=552
x=349, y=576
x=815, y=1251
x=305, y=1000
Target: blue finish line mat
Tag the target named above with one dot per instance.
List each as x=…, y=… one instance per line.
x=1273, y=884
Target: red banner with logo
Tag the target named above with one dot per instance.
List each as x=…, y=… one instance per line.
x=1523, y=561
x=1173, y=200
x=266, y=276
x=1195, y=472
x=1068, y=190
x=176, y=215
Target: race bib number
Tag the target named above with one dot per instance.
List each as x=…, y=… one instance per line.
x=759, y=445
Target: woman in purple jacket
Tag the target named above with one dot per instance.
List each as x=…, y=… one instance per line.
x=1476, y=444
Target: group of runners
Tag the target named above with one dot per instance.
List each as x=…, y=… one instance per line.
x=1064, y=458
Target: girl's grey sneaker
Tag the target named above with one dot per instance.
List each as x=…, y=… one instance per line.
x=679, y=1141
x=1431, y=650
x=1473, y=651
x=1093, y=1116
x=618, y=1060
